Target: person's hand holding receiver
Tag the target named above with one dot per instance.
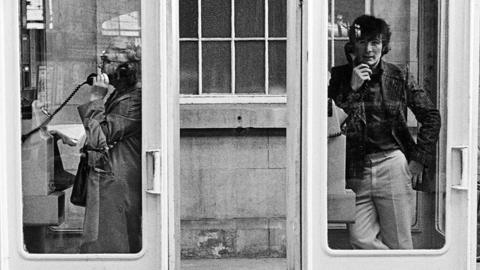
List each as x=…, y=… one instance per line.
x=360, y=74
x=101, y=87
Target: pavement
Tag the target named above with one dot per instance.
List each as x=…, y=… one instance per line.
x=235, y=264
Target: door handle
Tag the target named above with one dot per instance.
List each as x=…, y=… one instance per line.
x=459, y=162
x=153, y=171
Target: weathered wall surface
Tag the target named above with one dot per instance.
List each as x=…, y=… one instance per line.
x=226, y=176
x=233, y=193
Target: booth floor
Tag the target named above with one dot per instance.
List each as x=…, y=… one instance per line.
x=235, y=264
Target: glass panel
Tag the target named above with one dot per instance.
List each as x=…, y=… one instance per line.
x=216, y=18
x=374, y=146
x=277, y=18
x=188, y=18
x=249, y=18
x=277, y=73
x=346, y=11
x=478, y=190
x=216, y=65
x=95, y=138
x=188, y=67
x=250, y=67
x=339, y=57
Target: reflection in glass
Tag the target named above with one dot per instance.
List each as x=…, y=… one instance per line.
x=250, y=67
x=277, y=18
x=347, y=10
x=188, y=67
x=277, y=78
x=216, y=67
x=101, y=133
x=344, y=13
x=339, y=28
x=123, y=25
x=249, y=18
x=216, y=18
x=339, y=53
x=188, y=18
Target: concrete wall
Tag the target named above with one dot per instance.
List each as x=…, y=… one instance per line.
x=233, y=193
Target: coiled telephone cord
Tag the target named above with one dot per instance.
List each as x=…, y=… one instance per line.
x=50, y=117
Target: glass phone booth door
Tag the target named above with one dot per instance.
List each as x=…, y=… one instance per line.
x=116, y=125
x=442, y=214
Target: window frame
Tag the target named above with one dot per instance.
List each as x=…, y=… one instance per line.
x=233, y=97
x=316, y=76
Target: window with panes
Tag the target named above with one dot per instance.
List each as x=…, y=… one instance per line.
x=232, y=47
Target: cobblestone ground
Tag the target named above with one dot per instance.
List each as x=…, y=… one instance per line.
x=235, y=264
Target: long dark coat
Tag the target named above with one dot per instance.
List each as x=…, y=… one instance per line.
x=113, y=209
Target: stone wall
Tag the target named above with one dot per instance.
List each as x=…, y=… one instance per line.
x=233, y=193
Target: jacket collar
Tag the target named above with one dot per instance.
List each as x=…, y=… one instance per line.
x=391, y=81
x=118, y=96
x=389, y=70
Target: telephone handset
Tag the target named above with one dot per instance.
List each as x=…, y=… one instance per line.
x=88, y=81
x=353, y=61
x=349, y=53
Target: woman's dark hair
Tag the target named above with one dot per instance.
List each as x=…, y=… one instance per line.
x=368, y=27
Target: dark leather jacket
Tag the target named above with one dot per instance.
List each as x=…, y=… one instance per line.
x=399, y=91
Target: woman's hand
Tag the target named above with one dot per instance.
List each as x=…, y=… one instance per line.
x=360, y=74
x=65, y=139
x=101, y=80
x=101, y=87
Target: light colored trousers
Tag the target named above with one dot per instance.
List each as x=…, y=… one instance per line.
x=384, y=203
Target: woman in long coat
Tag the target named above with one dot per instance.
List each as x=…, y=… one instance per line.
x=112, y=120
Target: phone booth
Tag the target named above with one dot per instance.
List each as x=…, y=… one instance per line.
x=61, y=43
x=232, y=155
x=443, y=224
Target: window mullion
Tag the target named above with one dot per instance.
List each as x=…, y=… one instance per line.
x=232, y=43
x=266, y=47
x=368, y=6
x=332, y=34
x=200, y=58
